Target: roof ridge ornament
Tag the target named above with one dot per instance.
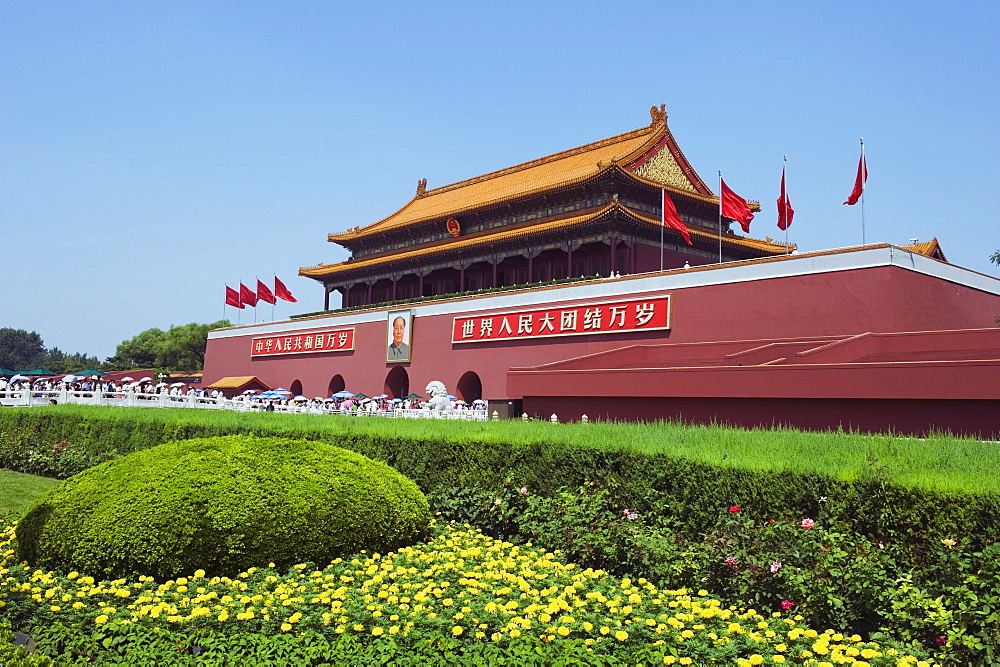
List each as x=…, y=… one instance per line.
x=422, y=187
x=659, y=116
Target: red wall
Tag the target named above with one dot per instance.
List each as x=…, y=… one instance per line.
x=882, y=299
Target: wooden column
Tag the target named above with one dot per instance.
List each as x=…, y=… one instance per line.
x=495, y=262
x=420, y=285
x=393, y=292
x=569, y=260
x=326, y=298
x=461, y=277
x=614, y=255
x=531, y=266
x=368, y=295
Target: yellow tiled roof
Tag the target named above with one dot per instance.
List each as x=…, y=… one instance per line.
x=928, y=249
x=235, y=382
x=560, y=169
x=524, y=229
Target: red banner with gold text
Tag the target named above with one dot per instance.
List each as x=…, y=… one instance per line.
x=578, y=320
x=333, y=340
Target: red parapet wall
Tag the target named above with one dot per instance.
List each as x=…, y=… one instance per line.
x=808, y=310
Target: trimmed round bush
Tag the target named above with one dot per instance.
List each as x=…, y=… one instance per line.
x=222, y=505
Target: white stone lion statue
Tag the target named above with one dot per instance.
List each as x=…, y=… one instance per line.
x=439, y=401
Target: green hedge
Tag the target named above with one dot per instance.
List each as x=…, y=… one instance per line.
x=222, y=505
x=887, y=486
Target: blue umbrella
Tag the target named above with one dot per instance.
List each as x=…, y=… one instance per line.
x=344, y=394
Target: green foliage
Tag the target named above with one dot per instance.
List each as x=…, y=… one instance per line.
x=26, y=450
x=20, y=350
x=221, y=504
x=179, y=347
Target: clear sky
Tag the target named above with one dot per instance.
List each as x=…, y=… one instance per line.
x=153, y=152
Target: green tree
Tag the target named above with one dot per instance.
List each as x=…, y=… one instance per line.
x=180, y=347
x=20, y=349
x=138, y=351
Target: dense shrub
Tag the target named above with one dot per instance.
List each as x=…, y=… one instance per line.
x=221, y=504
x=27, y=450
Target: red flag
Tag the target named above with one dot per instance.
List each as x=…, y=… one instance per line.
x=233, y=298
x=859, y=182
x=264, y=293
x=785, y=210
x=282, y=292
x=735, y=207
x=247, y=296
x=670, y=218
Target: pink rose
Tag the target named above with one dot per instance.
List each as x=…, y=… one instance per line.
x=808, y=523
x=734, y=509
x=786, y=604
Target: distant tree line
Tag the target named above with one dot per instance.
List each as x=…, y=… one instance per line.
x=178, y=348
x=22, y=350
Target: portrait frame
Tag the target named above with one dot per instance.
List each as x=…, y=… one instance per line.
x=404, y=351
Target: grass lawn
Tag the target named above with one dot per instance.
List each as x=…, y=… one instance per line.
x=18, y=490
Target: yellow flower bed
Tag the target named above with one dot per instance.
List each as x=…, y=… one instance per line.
x=459, y=583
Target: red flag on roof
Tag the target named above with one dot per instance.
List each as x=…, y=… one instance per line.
x=282, y=292
x=670, y=218
x=264, y=293
x=785, y=210
x=233, y=298
x=247, y=296
x=735, y=207
x=859, y=182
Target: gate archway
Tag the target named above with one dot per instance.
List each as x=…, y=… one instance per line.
x=397, y=383
x=470, y=387
x=336, y=384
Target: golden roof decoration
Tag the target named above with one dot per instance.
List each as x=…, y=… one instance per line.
x=649, y=153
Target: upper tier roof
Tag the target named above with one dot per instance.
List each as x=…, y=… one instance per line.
x=650, y=153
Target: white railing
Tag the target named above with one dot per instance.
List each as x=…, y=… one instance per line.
x=130, y=399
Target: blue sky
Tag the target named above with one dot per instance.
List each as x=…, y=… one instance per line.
x=151, y=153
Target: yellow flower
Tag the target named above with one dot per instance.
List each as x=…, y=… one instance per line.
x=686, y=661
x=778, y=659
x=621, y=635
x=377, y=631
x=457, y=630
x=285, y=627
x=563, y=630
x=101, y=619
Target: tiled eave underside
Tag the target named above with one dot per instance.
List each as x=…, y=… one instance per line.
x=443, y=253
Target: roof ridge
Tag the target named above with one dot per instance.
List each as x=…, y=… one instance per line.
x=576, y=150
x=424, y=193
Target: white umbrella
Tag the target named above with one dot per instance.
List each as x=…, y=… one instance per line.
x=126, y=379
x=19, y=377
x=161, y=384
x=69, y=378
x=250, y=391
x=300, y=397
x=176, y=384
x=141, y=380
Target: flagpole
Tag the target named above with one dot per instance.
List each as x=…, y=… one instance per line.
x=275, y=298
x=663, y=221
x=863, y=183
x=720, y=216
x=784, y=198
